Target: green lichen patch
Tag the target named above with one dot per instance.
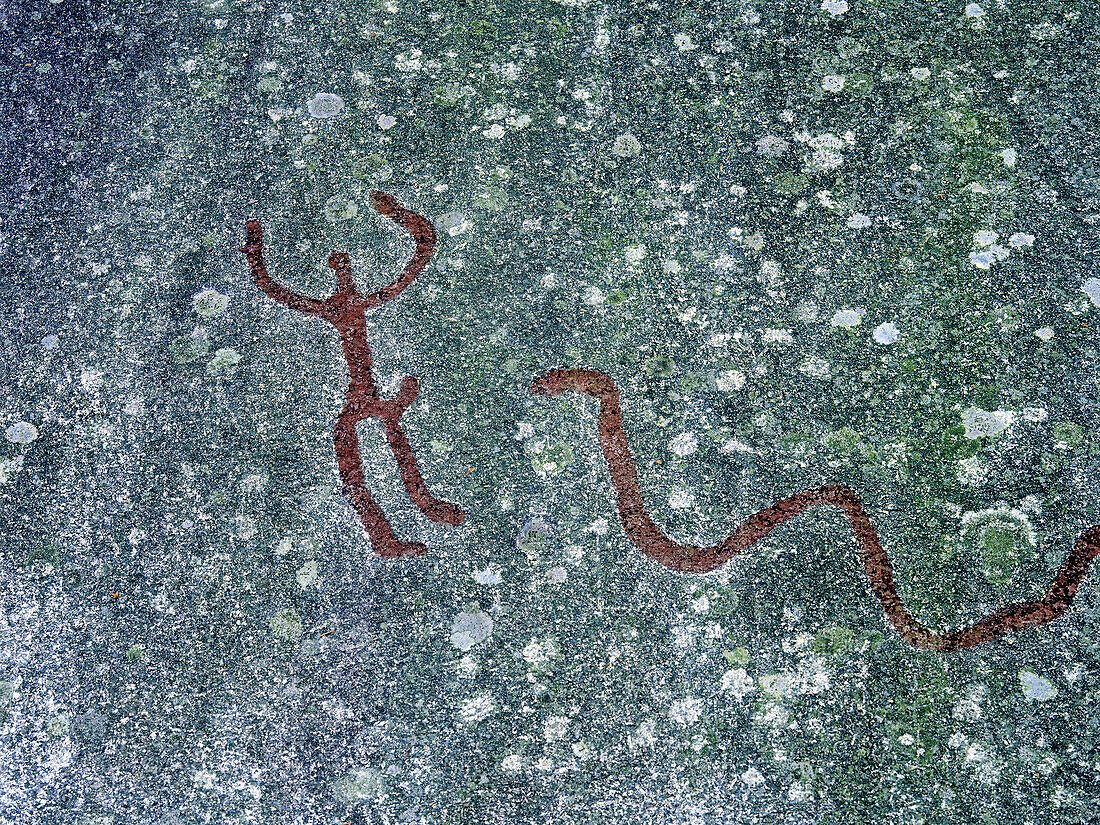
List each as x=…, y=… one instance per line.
x=188, y=348
x=339, y=208
x=1003, y=539
x=286, y=624
x=550, y=459
x=844, y=441
x=1067, y=435
x=359, y=785
x=209, y=302
x=224, y=362
x=832, y=640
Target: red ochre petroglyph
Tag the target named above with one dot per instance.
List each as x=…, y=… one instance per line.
x=649, y=538
x=346, y=309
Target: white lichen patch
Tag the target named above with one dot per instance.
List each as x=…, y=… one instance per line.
x=454, y=223
x=488, y=576
x=686, y=711
x=979, y=423
x=969, y=707
x=684, y=444
x=209, y=302
x=737, y=683
x=224, y=361
x=476, y=709
x=1036, y=688
x=339, y=208
x=777, y=336
x=626, y=146
x=885, y=334
x=1091, y=287
x=286, y=624
x=593, y=296
x=683, y=42
x=470, y=627
x=539, y=652
x=730, y=380
x=752, y=777
x=359, y=785
x=9, y=467
x=825, y=152
x=21, y=432
x=772, y=146
x=467, y=667
x=557, y=575
x=971, y=471
x=643, y=736
x=582, y=750
x=91, y=379
x=324, y=105
x=779, y=685
x=846, y=318
x=307, y=575
x=816, y=367
x=555, y=727
x=681, y=499
x=986, y=251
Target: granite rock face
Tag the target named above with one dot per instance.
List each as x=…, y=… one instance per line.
x=836, y=244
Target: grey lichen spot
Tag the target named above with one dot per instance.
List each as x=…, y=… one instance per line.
x=286, y=624
x=21, y=432
x=188, y=348
x=307, y=575
x=324, y=105
x=359, y=785
x=470, y=627
x=224, y=362
x=1036, y=688
x=535, y=538
x=339, y=208
x=209, y=302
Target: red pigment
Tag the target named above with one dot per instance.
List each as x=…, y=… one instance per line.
x=649, y=538
x=346, y=310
